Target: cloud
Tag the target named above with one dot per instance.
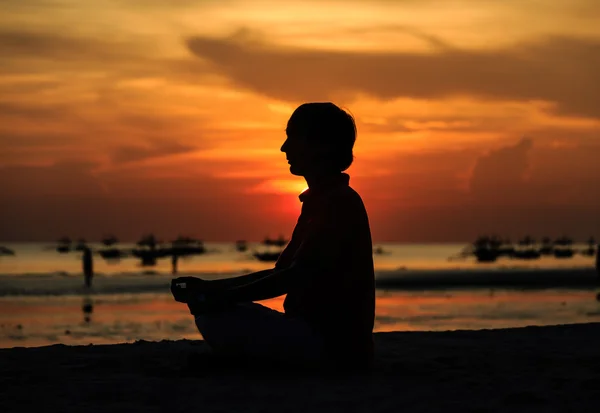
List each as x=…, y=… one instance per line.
x=562, y=70
x=157, y=149
x=15, y=44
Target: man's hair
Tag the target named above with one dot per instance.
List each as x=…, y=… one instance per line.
x=327, y=124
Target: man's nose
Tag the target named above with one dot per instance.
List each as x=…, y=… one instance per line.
x=284, y=146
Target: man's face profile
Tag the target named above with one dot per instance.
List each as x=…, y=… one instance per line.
x=299, y=153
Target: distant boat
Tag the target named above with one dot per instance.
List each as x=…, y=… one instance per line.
x=563, y=241
x=563, y=253
x=148, y=241
x=5, y=251
x=563, y=248
x=529, y=252
x=111, y=252
x=64, y=245
x=267, y=256
x=184, y=246
x=110, y=240
x=380, y=251
x=279, y=242
x=486, y=255
x=590, y=251
x=147, y=251
x=241, y=246
x=487, y=249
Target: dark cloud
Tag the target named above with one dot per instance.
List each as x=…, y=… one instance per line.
x=19, y=44
x=157, y=149
x=556, y=69
x=42, y=52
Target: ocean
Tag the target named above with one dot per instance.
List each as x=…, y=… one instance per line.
x=42, y=299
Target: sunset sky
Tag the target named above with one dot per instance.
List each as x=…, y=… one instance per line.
x=130, y=116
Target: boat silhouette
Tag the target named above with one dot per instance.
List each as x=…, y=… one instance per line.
x=490, y=248
x=278, y=242
x=5, y=251
x=528, y=250
x=64, y=245
x=590, y=251
x=241, y=246
x=563, y=248
x=268, y=256
x=110, y=252
x=185, y=246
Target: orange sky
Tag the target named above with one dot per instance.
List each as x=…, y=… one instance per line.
x=131, y=116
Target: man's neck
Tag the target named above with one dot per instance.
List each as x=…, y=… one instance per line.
x=317, y=179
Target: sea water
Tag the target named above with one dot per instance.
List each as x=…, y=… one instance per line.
x=42, y=299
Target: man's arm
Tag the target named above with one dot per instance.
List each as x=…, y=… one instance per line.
x=183, y=288
x=228, y=283
x=277, y=282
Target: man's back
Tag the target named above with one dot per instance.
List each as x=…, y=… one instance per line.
x=336, y=292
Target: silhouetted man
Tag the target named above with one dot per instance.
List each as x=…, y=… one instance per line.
x=88, y=266
x=174, y=259
x=326, y=270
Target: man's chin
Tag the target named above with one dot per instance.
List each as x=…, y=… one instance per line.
x=295, y=171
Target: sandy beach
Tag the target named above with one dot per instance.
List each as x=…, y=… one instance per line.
x=523, y=369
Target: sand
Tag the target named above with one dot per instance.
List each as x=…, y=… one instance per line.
x=524, y=369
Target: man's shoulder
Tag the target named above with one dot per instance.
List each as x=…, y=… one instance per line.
x=346, y=197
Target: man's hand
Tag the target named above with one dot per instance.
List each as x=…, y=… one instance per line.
x=184, y=288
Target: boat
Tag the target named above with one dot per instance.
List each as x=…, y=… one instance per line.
x=147, y=251
x=5, y=251
x=590, y=251
x=488, y=249
x=267, y=256
x=486, y=255
x=562, y=248
x=528, y=250
x=527, y=254
x=185, y=246
x=64, y=245
x=112, y=253
x=241, y=246
x=279, y=242
x=563, y=253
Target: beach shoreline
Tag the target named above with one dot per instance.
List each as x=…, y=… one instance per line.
x=546, y=369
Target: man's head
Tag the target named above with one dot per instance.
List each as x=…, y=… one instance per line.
x=320, y=138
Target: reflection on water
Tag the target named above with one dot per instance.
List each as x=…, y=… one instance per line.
x=108, y=319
